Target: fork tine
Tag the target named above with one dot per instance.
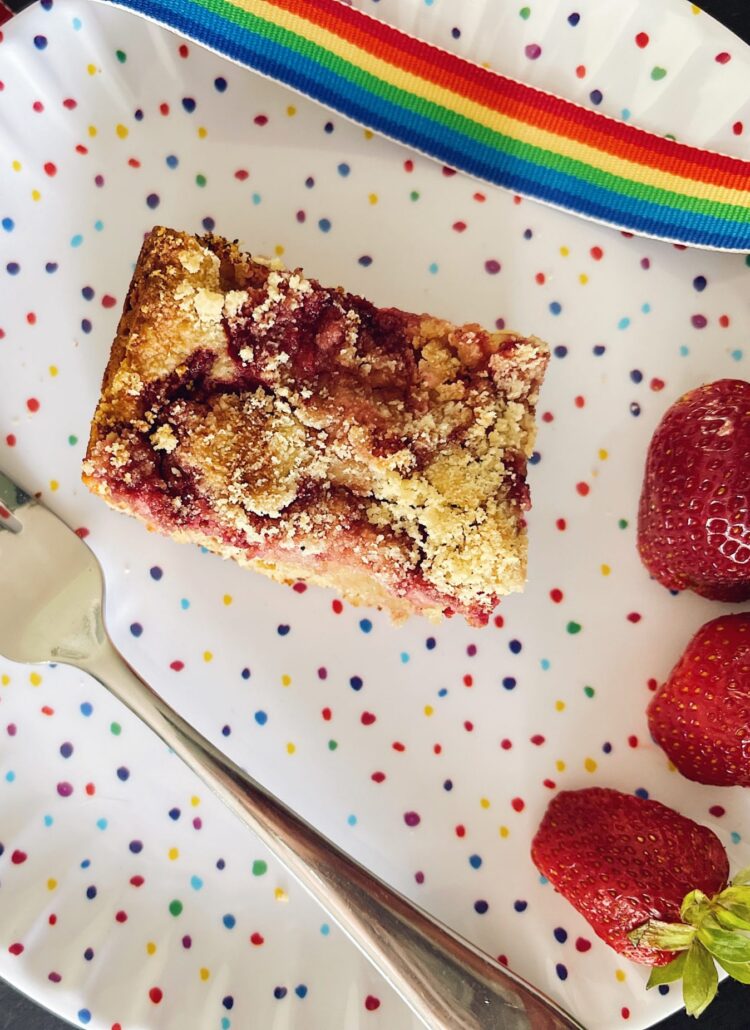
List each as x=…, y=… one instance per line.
x=12, y=497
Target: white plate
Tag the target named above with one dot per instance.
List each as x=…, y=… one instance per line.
x=472, y=730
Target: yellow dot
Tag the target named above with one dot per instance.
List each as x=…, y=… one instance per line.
x=368, y=134
x=559, y=706
x=227, y=599
x=695, y=9
x=605, y=570
x=603, y=454
x=291, y=748
x=278, y=250
x=560, y=765
x=35, y=679
x=51, y=884
x=151, y=948
x=16, y=166
x=204, y=973
x=53, y=370
x=207, y=656
x=564, y=251
x=428, y=710
x=291, y=110
x=54, y=485
x=91, y=69
x=583, y=278
x=195, y=800
x=5, y=679
x=484, y=802
x=286, y=680
x=121, y=130
x=173, y=853
x=280, y=894
x=589, y=765
x=202, y=132
x=92, y=131
x=373, y=198
x=36, y=195
x=619, y=975
x=504, y=832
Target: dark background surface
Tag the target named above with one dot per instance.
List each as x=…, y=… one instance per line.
x=730, y=1011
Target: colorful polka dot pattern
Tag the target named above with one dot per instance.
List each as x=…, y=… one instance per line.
x=428, y=751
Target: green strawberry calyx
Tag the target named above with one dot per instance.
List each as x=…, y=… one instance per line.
x=712, y=930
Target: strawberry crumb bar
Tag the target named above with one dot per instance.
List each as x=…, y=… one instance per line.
x=312, y=436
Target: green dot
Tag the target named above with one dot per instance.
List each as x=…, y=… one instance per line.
x=622, y=523
x=589, y=691
x=121, y=56
x=574, y=627
x=259, y=867
x=332, y=745
x=200, y=180
x=525, y=12
x=72, y=440
x=747, y=260
x=415, y=196
x=115, y=728
x=658, y=73
x=175, y=907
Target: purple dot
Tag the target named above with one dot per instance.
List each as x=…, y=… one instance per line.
x=88, y=954
x=500, y=323
x=208, y=224
x=99, y=180
x=699, y=321
x=492, y=266
x=197, y=823
x=136, y=846
x=64, y=789
x=419, y=877
x=187, y=942
x=153, y=200
x=645, y=263
x=55, y=978
x=412, y=818
x=301, y=216
x=574, y=18
x=12, y=729
x=533, y=51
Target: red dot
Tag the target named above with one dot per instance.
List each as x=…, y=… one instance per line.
x=632, y=740
x=468, y=680
x=499, y=621
x=91, y=789
x=448, y=172
x=18, y=857
x=183, y=50
x=16, y=949
x=540, y=278
x=50, y=168
x=81, y=532
x=80, y=149
x=717, y=810
x=134, y=162
x=137, y=881
x=437, y=749
x=550, y=784
x=70, y=104
x=583, y=945
x=177, y=665
x=327, y=714
x=597, y=253
x=556, y=595
x=548, y=417
x=37, y=106
x=652, y=684
x=156, y=994
x=257, y=939
x=503, y=960
x=723, y=321
x=460, y=830
x=479, y=197
x=261, y=119
x=367, y=718
x=642, y=40
x=398, y=746
x=299, y=588
x=723, y=57
x=33, y=404
x=518, y=804
x=46, y=710
x=738, y=128
x=10, y=440
x=579, y=401
x=31, y=318
x=537, y=740
x=108, y=301
x=242, y=174
x=459, y=226
x=116, y=1026
x=468, y=726
x=408, y=165
x=121, y=917
x=337, y=607
x=625, y=1012
x=634, y=617
x=164, y=109
x=372, y=1003
x=581, y=71
x=506, y=744
x=583, y=489
x=378, y=777
x=52, y=920
x=561, y=524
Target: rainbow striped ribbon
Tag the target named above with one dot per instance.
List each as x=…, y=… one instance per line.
x=476, y=120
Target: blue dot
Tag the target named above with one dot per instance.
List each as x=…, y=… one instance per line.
x=328, y=127
x=405, y=658
x=226, y=731
x=77, y=240
x=555, y=307
x=635, y=409
x=543, y=880
x=475, y=861
x=77, y=23
x=607, y=748
x=229, y=921
x=736, y=355
x=356, y=682
x=625, y=114
x=365, y=625
x=365, y=260
x=324, y=224
x=535, y=458
x=91, y=893
x=184, y=603
x=596, y=96
x=220, y=84
x=599, y=349
x=663, y=989
x=344, y=169
x=8, y=224
x=430, y=643
x=448, y=785
x=684, y=351
x=98, y=225
x=156, y=573
x=325, y=929
x=480, y=907
x=87, y=293
x=226, y=1022
x=520, y=906
x=221, y=864
x=261, y=718
x=102, y=824
x=351, y=820
x=189, y=104
x=196, y=883
x=86, y=325
x=699, y=283
x=48, y=821
x=561, y=935
x=641, y=792
x=646, y=308
x=88, y=954
x=245, y=674
x=66, y=749
x=561, y=971
x=123, y=773
x=456, y=33
x=172, y=160
x=309, y=182
x=153, y=200
x=623, y=323
x=136, y=846
x=560, y=351
x=136, y=629
x=515, y=646
x=509, y=682
x=279, y=993
x=573, y=19
x=283, y=630
x=13, y=268
x=433, y=268
x=528, y=234
x=138, y=114
x=50, y=267
x=40, y=42
x=228, y=1002
x=85, y=863
x=256, y=198
x=208, y=224
x=545, y=663
x=736, y=838
x=10, y=776
x=443, y=692
x=300, y=990
x=83, y=1014
x=86, y=708
x=636, y=375
x=174, y=814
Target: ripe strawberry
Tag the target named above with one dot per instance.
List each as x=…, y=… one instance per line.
x=694, y=515
x=701, y=715
x=652, y=884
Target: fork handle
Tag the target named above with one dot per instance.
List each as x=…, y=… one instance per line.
x=446, y=982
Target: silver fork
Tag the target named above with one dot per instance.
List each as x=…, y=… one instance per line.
x=51, y=610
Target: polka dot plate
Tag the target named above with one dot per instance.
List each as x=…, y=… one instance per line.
x=128, y=897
